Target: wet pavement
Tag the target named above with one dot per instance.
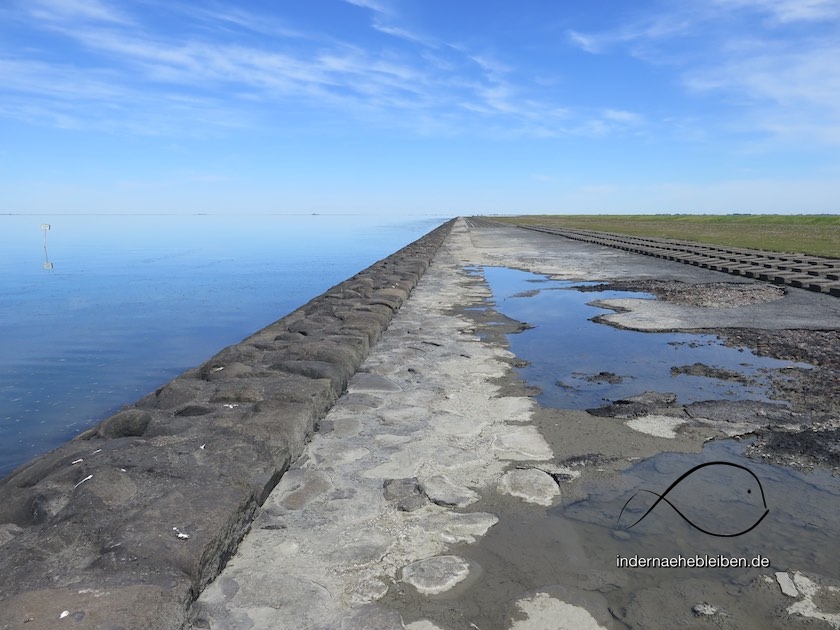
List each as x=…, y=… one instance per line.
x=462, y=483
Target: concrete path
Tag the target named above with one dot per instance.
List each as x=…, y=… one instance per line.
x=420, y=503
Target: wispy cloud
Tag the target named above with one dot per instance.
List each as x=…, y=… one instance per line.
x=75, y=10
x=386, y=19
x=776, y=76
x=786, y=11
x=587, y=43
x=235, y=67
x=417, y=82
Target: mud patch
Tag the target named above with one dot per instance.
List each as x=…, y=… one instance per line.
x=701, y=369
x=804, y=450
x=814, y=390
x=704, y=295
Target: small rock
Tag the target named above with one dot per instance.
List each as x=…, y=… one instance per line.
x=522, y=443
x=436, y=575
x=531, y=485
x=462, y=528
x=605, y=377
x=128, y=423
x=650, y=398
x=704, y=610
x=441, y=490
x=405, y=493
x=786, y=584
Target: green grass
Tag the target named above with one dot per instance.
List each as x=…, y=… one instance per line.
x=818, y=235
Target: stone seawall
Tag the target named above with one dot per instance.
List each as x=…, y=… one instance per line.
x=123, y=526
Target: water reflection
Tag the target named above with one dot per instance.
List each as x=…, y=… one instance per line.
x=47, y=263
x=135, y=300
x=581, y=364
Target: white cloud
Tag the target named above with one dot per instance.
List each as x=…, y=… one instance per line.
x=777, y=77
x=587, y=43
x=786, y=11
x=259, y=63
x=64, y=10
x=622, y=116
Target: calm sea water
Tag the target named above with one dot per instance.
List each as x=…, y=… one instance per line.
x=118, y=305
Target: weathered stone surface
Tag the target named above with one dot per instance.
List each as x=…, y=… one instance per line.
x=544, y=611
x=8, y=531
x=365, y=382
x=659, y=426
x=442, y=490
x=156, y=605
x=405, y=493
x=131, y=422
x=531, y=485
x=436, y=575
x=125, y=525
x=786, y=584
x=372, y=617
x=522, y=443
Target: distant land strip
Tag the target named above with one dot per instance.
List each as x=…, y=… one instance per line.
x=813, y=273
x=814, y=234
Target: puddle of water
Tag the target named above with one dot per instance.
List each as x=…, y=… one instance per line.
x=574, y=551
x=799, y=531
x=581, y=364
x=579, y=546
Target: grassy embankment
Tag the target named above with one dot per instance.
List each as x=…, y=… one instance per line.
x=818, y=235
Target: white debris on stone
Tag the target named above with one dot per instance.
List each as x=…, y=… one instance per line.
x=659, y=426
x=88, y=478
x=436, y=575
x=423, y=624
x=531, y=485
x=786, y=584
x=806, y=606
x=544, y=612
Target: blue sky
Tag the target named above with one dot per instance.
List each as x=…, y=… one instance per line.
x=419, y=107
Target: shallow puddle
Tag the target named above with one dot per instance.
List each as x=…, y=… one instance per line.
x=583, y=553
x=703, y=511
x=581, y=364
x=746, y=510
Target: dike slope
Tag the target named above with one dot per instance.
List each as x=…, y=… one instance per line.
x=125, y=525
